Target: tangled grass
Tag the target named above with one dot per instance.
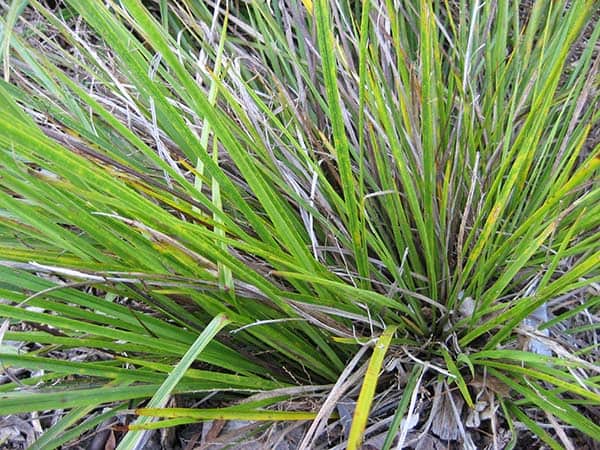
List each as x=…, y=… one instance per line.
x=295, y=206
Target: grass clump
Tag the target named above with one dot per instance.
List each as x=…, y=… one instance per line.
x=394, y=204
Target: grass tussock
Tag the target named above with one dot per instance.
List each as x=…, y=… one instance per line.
x=295, y=206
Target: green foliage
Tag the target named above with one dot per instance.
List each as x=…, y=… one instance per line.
x=315, y=173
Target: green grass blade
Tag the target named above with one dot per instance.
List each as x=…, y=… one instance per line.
x=367, y=391
x=132, y=439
